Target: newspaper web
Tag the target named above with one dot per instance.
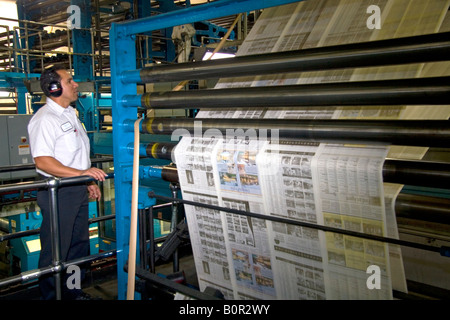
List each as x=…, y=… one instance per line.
x=329, y=184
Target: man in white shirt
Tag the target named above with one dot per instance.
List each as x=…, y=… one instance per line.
x=60, y=148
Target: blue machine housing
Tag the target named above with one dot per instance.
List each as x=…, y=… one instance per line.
x=27, y=249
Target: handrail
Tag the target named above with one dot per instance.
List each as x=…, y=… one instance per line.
x=57, y=266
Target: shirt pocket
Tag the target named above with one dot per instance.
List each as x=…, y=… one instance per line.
x=71, y=141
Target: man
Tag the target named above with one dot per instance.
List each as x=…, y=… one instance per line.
x=60, y=148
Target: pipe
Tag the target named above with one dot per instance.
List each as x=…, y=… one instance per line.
x=424, y=48
x=174, y=188
x=151, y=236
x=142, y=236
x=20, y=234
x=443, y=250
x=172, y=286
x=45, y=183
x=23, y=185
x=20, y=167
x=430, y=133
x=37, y=273
x=53, y=185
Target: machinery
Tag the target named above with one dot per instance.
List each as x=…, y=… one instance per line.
x=39, y=40
x=136, y=116
x=389, y=92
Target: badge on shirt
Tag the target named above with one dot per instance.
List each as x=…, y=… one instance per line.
x=66, y=126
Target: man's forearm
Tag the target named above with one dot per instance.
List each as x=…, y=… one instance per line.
x=55, y=168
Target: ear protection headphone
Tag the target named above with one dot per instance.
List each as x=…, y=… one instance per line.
x=51, y=82
x=55, y=89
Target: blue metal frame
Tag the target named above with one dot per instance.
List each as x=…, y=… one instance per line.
x=123, y=58
x=82, y=42
x=10, y=81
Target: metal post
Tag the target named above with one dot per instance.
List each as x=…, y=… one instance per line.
x=53, y=184
x=42, y=49
x=8, y=39
x=27, y=47
x=142, y=224
x=174, y=187
x=151, y=235
x=68, y=49
x=123, y=57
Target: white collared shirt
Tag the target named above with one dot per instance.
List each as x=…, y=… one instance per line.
x=57, y=132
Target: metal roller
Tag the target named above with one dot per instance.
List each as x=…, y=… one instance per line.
x=410, y=206
x=417, y=173
x=423, y=208
x=426, y=48
x=431, y=133
x=170, y=173
x=159, y=150
x=417, y=91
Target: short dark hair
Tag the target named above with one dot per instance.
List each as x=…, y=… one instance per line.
x=50, y=75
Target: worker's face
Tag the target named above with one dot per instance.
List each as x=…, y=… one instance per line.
x=70, y=87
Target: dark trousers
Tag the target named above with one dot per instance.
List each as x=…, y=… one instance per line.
x=73, y=206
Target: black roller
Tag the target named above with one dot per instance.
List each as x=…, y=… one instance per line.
x=424, y=48
x=431, y=133
x=417, y=91
x=423, y=208
x=422, y=173
x=158, y=150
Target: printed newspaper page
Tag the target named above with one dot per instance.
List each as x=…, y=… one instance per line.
x=297, y=257
x=239, y=188
x=195, y=172
x=349, y=184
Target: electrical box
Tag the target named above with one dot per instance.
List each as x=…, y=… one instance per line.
x=15, y=146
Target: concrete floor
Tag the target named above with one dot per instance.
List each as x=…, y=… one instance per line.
x=105, y=287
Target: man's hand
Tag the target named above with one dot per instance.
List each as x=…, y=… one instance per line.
x=94, y=191
x=95, y=173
